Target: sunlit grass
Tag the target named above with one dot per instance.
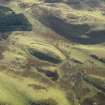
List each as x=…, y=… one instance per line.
x=14, y=92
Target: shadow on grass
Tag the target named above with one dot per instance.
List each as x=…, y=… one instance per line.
x=44, y=56
x=10, y=21
x=74, y=32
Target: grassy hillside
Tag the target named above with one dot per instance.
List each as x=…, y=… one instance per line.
x=46, y=50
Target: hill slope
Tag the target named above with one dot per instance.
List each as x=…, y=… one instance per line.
x=54, y=45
